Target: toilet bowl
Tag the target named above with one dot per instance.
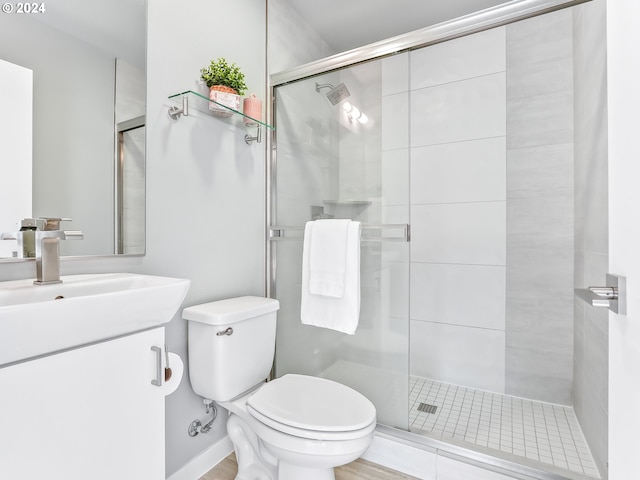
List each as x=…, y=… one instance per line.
x=295, y=427
x=307, y=425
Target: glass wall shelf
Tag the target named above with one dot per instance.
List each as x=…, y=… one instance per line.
x=190, y=99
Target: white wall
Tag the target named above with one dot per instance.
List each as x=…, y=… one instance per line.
x=130, y=91
x=623, y=71
x=205, y=185
x=292, y=41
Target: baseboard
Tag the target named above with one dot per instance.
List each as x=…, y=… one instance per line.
x=205, y=461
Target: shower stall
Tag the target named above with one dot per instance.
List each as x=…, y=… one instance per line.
x=459, y=158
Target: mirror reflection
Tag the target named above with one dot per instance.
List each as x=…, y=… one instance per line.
x=72, y=138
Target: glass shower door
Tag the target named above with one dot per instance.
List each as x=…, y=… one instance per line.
x=337, y=158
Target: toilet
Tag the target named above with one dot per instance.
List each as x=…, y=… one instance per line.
x=292, y=428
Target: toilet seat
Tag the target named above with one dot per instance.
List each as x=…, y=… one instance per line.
x=313, y=408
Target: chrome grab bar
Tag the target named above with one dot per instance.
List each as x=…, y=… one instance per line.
x=277, y=233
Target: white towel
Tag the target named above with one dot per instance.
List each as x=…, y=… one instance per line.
x=341, y=314
x=328, y=257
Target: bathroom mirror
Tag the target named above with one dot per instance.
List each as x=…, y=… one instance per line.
x=87, y=64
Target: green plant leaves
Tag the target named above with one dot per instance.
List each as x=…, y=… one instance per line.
x=220, y=72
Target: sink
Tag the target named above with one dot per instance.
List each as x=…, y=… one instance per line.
x=41, y=319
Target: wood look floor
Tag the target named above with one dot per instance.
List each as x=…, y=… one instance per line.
x=358, y=470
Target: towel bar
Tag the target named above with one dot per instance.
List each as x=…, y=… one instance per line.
x=277, y=233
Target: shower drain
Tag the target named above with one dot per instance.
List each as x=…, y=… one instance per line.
x=427, y=408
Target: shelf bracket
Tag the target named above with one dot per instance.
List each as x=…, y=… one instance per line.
x=258, y=137
x=175, y=112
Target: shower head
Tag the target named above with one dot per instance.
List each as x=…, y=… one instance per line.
x=336, y=94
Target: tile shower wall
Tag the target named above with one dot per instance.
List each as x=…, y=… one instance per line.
x=394, y=178
x=458, y=210
x=539, y=326
x=591, y=339
x=491, y=147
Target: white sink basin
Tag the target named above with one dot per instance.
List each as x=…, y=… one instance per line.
x=41, y=319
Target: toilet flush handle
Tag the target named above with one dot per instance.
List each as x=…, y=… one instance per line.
x=228, y=331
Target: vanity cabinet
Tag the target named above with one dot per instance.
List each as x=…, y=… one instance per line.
x=90, y=412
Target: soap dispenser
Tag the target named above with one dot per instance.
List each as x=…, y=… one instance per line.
x=28, y=228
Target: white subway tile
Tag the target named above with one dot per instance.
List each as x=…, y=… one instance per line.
x=394, y=288
x=395, y=74
x=395, y=177
x=471, y=56
x=466, y=233
x=465, y=110
x=468, y=356
x=471, y=295
x=395, y=121
x=459, y=172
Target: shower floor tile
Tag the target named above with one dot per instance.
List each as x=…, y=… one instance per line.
x=539, y=431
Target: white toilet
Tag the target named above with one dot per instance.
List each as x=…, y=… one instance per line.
x=295, y=427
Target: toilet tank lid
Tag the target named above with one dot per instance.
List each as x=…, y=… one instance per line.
x=230, y=310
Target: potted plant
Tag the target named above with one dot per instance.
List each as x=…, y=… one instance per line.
x=226, y=84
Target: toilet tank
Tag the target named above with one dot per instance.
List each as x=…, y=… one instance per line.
x=231, y=345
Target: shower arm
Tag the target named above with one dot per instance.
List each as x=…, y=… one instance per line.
x=319, y=86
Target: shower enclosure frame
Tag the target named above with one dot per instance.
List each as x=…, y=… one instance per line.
x=510, y=12
x=507, y=13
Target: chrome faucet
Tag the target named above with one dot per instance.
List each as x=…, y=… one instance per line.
x=48, y=254
x=47, y=243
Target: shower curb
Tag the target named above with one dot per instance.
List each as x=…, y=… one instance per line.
x=418, y=456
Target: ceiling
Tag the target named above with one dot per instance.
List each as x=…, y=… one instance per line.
x=347, y=24
x=343, y=24
x=115, y=26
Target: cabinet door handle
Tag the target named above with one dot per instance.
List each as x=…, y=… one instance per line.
x=158, y=380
